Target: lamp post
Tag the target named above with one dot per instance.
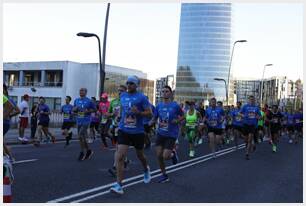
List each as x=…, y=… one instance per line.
x=261, y=92
x=101, y=61
x=219, y=79
x=229, y=69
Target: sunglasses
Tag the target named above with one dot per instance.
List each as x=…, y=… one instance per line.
x=130, y=83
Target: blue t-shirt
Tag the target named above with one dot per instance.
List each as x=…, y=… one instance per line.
x=298, y=118
x=237, y=119
x=214, y=116
x=146, y=120
x=43, y=117
x=67, y=112
x=290, y=119
x=250, y=112
x=83, y=118
x=285, y=118
x=131, y=123
x=166, y=113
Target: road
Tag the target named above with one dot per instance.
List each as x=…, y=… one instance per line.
x=52, y=173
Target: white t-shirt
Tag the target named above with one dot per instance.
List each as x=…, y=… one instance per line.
x=24, y=109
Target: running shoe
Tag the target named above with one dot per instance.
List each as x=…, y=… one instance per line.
x=163, y=178
x=290, y=141
x=53, y=140
x=274, y=148
x=112, y=171
x=20, y=138
x=116, y=188
x=89, y=153
x=227, y=141
x=126, y=163
x=247, y=157
x=200, y=141
x=81, y=156
x=174, y=157
x=147, y=175
x=191, y=153
x=36, y=143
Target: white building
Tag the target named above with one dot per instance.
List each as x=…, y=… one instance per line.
x=54, y=80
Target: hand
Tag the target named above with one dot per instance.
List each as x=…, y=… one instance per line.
x=135, y=110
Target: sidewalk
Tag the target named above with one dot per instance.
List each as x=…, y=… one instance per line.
x=11, y=137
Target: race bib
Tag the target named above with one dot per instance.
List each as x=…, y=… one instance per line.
x=251, y=115
x=163, y=125
x=238, y=118
x=103, y=120
x=298, y=121
x=213, y=123
x=130, y=121
x=275, y=120
x=66, y=116
x=81, y=114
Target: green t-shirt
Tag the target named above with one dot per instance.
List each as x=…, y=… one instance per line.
x=5, y=99
x=114, y=108
x=261, y=122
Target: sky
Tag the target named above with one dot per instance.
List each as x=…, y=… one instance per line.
x=145, y=36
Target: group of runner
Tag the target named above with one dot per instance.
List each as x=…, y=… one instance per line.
x=129, y=119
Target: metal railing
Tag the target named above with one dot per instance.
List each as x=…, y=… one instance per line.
x=56, y=120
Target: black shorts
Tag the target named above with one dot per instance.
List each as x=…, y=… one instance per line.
x=165, y=142
x=136, y=140
x=249, y=129
x=228, y=127
x=239, y=128
x=299, y=128
x=275, y=129
x=147, y=128
x=67, y=125
x=104, y=127
x=94, y=125
x=44, y=123
x=290, y=128
x=215, y=130
x=260, y=128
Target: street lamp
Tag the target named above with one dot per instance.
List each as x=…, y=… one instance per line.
x=263, y=73
x=229, y=69
x=101, y=61
x=219, y=79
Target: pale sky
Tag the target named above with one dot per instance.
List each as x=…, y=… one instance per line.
x=144, y=36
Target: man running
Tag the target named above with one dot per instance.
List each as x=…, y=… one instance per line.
x=169, y=114
x=214, y=118
x=66, y=110
x=24, y=117
x=192, y=119
x=290, y=127
x=43, y=121
x=105, y=120
x=275, y=118
x=237, y=123
x=251, y=114
x=83, y=106
x=134, y=106
x=94, y=123
x=260, y=126
x=298, y=122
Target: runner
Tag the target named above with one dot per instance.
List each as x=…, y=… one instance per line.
x=237, y=123
x=250, y=113
x=94, y=122
x=34, y=116
x=24, y=117
x=260, y=126
x=267, y=133
x=169, y=114
x=10, y=109
x=105, y=120
x=66, y=110
x=290, y=127
x=83, y=106
x=192, y=120
x=214, y=117
x=148, y=128
x=114, y=113
x=275, y=118
x=201, y=131
x=134, y=106
x=298, y=120
x=43, y=121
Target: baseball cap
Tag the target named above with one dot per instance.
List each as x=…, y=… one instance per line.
x=26, y=96
x=104, y=95
x=134, y=79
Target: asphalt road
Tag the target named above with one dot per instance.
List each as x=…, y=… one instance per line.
x=52, y=173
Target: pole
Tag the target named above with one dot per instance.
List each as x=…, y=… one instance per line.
x=102, y=66
x=229, y=71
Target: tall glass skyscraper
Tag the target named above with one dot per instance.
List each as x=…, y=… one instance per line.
x=204, y=51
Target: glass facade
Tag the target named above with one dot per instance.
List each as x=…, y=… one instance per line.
x=204, y=51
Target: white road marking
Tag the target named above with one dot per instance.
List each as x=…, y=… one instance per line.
x=138, y=176
x=23, y=161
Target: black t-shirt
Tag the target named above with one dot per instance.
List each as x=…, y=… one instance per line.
x=275, y=118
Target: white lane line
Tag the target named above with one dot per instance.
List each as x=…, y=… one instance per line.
x=133, y=178
x=23, y=161
x=157, y=175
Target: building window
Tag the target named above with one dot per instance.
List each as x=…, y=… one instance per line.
x=54, y=78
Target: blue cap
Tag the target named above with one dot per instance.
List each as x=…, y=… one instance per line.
x=133, y=79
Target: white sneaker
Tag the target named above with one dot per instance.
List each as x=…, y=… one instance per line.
x=200, y=141
x=147, y=176
x=20, y=138
x=290, y=141
x=25, y=139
